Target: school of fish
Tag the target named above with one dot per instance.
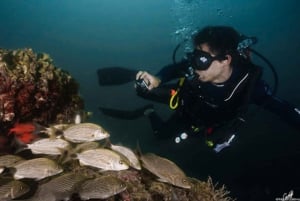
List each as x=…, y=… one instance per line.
x=78, y=162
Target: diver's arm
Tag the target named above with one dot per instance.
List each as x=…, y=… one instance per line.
x=166, y=74
x=172, y=71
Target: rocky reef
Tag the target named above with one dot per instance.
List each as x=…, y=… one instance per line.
x=137, y=185
x=32, y=88
x=142, y=186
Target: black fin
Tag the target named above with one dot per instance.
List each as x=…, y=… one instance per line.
x=115, y=75
x=126, y=114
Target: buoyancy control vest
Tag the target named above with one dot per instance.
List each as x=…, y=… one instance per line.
x=207, y=104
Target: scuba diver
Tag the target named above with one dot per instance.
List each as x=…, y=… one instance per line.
x=217, y=83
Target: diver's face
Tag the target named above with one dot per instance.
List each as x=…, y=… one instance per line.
x=214, y=71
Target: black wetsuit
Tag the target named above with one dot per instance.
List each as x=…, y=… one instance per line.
x=206, y=104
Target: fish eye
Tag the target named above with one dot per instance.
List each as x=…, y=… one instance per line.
x=184, y=181
x=121, y=162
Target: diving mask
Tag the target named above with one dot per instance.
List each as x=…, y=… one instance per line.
x=201, y=60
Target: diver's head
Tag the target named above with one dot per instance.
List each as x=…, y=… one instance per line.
x=214, y=53
x=221, y=40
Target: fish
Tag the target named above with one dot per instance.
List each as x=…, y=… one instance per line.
x=166, y=170
x=37, y=168
x=101, y=187
x=85, y=132
x=128, y=154
x=86, y=146
x=13, y=189
x=25, y=132
x=102, y=158
x=61, y=187
x=48, y=146
x=9, y=160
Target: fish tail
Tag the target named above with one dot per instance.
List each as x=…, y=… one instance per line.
x=66, y=156
x=8, y=172
x=107, y=143
x=18, y=144
x=50, y=132
x=38, y=128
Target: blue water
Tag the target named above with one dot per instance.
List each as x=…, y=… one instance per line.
x=84, y=35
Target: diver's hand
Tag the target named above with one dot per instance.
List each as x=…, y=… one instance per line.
x=151, y=80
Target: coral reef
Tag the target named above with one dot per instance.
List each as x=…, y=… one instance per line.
x=32, y=88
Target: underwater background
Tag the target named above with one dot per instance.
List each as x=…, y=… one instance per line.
x=85, y=35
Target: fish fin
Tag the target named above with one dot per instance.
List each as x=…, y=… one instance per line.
x=138, y=150
x=162, y=180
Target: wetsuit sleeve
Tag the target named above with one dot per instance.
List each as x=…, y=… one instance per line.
x=286, y=111
x=172, y=71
